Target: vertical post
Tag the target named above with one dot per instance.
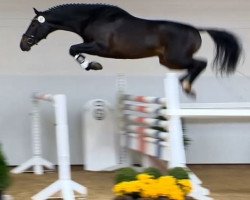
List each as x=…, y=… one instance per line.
x=36, y=162
x=177, y=151
x=62, y=139
x=36, y=135
x=121, y=88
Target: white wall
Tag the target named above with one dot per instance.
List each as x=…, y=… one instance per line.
x=213, y=141
x=48, y=67
x=15, y=101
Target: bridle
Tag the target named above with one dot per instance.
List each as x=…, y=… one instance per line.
x=31, y=39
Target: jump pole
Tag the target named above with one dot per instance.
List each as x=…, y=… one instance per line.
x=64, y=184
x=36, y=162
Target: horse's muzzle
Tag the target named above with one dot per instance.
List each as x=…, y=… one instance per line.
x=24, y=48
x=24, y=44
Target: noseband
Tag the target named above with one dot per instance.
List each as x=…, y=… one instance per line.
x=31, y=40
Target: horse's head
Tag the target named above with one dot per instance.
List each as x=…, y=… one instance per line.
x=38, y=29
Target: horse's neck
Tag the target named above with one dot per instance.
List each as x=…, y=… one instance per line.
x=72, y=24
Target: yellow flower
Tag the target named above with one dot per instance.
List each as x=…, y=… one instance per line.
x=185, y=185
x=143, y=176
x=148, y=187
x=170, y=180
x=127, y=187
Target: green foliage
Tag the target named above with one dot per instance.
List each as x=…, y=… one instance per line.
x=178, y=173
x=156, y=173
x=125, y=174
x=186, y=140
x=158, y=128
x=161, y=117
x=4, y=173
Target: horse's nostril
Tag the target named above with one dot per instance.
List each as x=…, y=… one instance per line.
x=30, y=41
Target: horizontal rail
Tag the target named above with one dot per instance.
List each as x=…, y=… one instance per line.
x=148, y=146
x=45, y=97
x=149, y=139
x=147, y=132
x=146, y=121
x=145, y=109
x=242, y=111
x=163, y=101
x=144, y=99
x=230, y=105
x=209, y=112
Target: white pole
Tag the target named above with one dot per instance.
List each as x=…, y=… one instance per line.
x=62, y=137
x=177, y=151
x=36, y=136
x=209, y=113
x=124, y=158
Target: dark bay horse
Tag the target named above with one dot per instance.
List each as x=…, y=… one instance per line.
x=109, y=31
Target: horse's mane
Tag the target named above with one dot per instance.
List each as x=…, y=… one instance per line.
x=74, y=5
x=83, y=6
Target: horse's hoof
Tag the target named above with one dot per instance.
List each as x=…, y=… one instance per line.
x=187, y=87
x=94, y=66
x=192, y=94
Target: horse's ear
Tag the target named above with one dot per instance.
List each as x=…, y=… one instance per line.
x=36, y=11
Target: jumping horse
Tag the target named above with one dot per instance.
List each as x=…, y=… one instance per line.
x=109, y=31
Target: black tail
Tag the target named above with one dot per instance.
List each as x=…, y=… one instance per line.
x=228, y=51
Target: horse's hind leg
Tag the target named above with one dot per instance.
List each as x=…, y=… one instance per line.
x=194, y=68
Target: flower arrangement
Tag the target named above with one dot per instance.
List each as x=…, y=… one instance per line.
x=149, y=187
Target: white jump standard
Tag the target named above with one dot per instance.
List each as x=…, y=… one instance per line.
x=64, y=184
x=36, y=162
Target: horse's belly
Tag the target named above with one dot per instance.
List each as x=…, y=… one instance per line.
x=136, y=47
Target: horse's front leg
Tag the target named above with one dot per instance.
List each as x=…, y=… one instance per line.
x=90, y=48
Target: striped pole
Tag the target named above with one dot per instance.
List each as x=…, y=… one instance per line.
x=144, y=99
x=146, y=121
x=147, y=132
x=146, y=109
